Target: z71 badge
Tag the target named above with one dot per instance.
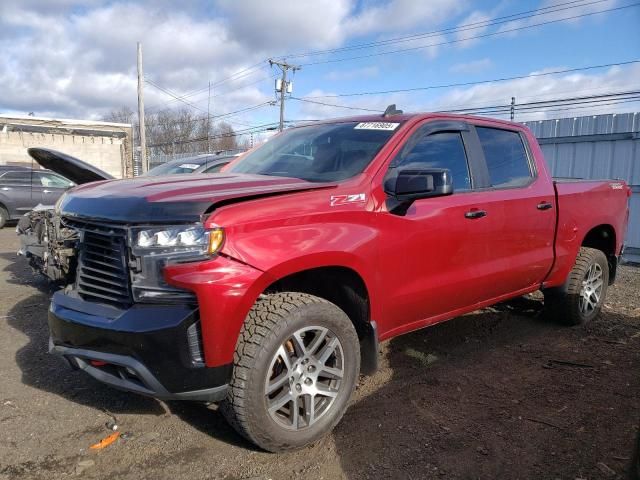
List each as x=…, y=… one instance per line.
x=337, y=200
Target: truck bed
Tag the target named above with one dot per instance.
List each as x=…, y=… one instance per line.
x=583, y=205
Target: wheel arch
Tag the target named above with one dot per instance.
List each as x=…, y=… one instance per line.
x=603, y=237
x=346, y=288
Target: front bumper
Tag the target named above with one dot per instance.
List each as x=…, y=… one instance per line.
x=144, y=349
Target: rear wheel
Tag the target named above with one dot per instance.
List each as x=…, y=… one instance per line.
x=580, y=299
x=296, y=366
x=4, y=216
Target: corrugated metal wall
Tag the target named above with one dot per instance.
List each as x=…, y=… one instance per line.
x=600, y=146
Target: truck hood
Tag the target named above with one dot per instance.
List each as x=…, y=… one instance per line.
x=74, y=169
x=174, y=198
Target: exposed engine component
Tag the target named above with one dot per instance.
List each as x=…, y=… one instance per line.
x=49, y=245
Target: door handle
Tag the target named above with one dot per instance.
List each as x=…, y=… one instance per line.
x=471, y=214
x=544, y=206
x=47, y=191
x=5, y=189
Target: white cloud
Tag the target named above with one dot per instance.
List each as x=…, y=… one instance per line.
x=474, y=66
x=77, y=58
x=402, y=15
x=555, y=14
x=287, y=27
x=532, y=88
x=83, y=62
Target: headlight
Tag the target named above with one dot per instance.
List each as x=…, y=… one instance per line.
x=180, y=239
x=153, y=248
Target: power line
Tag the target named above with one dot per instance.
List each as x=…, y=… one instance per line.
x=174, y=95
x=463, y=106
x=271, y=126
x=257, y=129
x=306, y=100
x=498, y=20
x=469, y=26
x=222, y=115
x=600, y=99
x=479, y=82
x=449, y=42
x=233, y=77
x=541, y=103
x=581, y=107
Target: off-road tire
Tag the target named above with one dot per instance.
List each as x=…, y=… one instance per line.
x=4, y=216
x=272, y=320
x=562, y=304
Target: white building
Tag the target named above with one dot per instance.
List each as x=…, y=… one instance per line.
x=105, y=145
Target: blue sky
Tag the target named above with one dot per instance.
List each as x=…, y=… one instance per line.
x=67, y=58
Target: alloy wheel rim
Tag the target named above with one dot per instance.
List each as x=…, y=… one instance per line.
x=304, y=377
x=591, y=291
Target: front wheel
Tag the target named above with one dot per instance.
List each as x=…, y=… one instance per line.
x=580, y=299
x=295, y=368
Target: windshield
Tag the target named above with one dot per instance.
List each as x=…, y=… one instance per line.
x=172, y=168
x=319, y=153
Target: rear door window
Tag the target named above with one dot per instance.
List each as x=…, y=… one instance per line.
x=16, y=178
x=506, y=157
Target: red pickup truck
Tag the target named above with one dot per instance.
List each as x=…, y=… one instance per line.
x=267, y=287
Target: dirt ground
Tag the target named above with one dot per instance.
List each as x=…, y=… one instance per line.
x=501, y=393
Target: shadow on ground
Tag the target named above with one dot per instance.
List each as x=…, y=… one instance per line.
x=501, y=393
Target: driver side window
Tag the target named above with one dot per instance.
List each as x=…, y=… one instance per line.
x=438, y=150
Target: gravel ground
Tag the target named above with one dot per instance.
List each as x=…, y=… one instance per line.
x=500, y=393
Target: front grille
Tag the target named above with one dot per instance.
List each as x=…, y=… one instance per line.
x=102, y=274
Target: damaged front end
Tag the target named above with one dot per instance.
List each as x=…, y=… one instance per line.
x=49, y=245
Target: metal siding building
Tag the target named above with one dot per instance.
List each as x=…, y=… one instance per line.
x=600, y=146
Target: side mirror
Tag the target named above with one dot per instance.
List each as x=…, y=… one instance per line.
x=410, y=185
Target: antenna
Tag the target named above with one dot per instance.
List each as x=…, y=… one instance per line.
x=391, y=110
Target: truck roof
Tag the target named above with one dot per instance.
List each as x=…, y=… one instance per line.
x=402, y=117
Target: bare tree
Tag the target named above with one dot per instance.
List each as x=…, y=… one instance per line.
x=176, y=131
x=223, y=137
x=122, y=114
x=182, y=131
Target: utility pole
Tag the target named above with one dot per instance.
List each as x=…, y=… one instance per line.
x=209, y=120
x=285, y=86
x=513, y=108
x=143, y=139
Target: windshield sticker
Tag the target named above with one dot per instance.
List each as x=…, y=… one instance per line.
x=190, y=166
x=337, y=200
x=376, y=126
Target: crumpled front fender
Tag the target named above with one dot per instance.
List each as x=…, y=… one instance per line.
x=226, y=290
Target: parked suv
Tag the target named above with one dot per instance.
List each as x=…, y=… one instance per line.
x=21, y=189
